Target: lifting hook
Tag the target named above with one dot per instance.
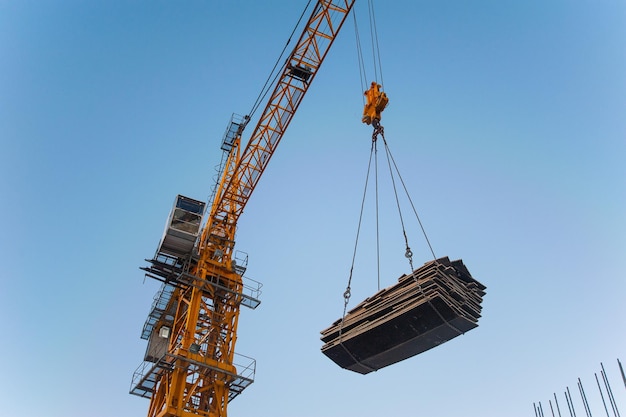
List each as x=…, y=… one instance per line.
x=376, y=101
x=378, y=130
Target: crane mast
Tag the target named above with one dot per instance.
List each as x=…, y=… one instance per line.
x=196, y=374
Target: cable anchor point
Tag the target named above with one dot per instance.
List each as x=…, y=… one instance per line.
x=409, y=255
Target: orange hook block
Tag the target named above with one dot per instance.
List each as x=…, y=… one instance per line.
x=376, y=101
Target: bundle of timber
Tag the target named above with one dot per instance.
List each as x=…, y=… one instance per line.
x=434, y=304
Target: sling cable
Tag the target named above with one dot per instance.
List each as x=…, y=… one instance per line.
x=429, y=306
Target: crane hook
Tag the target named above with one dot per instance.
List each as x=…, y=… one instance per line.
x=376, y=101
x=378, y=130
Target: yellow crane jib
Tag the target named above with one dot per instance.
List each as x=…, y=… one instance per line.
x=376, y=101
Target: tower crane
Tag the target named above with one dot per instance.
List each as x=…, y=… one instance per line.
x=190, y=367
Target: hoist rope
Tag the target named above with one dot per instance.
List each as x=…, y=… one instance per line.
x=377, y=215
x=347, y=293
x=273, y=75
x=359, y=51
x=408, y=254
x=376, y=60
x=375, y=46
x=391, y=163
x=373, y=151
x=408, y=197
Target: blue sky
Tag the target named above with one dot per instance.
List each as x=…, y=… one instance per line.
x=505, y=118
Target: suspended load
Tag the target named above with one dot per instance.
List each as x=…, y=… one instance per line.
x=436, y=303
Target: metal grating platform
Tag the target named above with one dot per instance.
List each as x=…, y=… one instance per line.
x=436, y=303
x=148, y=374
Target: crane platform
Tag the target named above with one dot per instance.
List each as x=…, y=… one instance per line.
x=150, y=372
x=434, y=304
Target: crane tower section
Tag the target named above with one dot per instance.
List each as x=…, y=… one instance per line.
x=190, y=367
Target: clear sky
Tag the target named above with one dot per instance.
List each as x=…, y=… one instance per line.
x=507, y=121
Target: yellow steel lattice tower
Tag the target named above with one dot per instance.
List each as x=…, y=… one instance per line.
x=190, y=367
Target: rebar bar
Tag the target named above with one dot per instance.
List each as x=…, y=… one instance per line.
x=609, y=391
x=570, y=402
x=557, y=404
x=584, y=398
x=622, y=372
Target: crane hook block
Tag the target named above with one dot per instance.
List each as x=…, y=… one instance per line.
x=376, y=101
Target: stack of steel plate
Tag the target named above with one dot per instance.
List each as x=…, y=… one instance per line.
x=434, y=304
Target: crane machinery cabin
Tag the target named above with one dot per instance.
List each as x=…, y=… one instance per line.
x=190, y=367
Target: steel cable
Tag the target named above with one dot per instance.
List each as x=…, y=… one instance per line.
x=273, y=74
